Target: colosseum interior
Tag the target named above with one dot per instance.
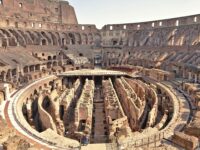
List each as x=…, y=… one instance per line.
x=65, y=85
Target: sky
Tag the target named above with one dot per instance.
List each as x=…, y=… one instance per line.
x=102, y=12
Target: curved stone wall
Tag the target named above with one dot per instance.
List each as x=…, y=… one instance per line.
x=156, y=123
x=18, y=100
x=46, y=119
x=183, y=31
x=12, y=36
x=179, y=21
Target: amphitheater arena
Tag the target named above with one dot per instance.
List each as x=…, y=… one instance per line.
x=65, y=85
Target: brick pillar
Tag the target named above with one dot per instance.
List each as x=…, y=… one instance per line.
x=7, y=92
x=195, y=78
x=4, y=77
x=10, y=76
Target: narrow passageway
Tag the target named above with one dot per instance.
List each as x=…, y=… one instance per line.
x=70, y=115
x=99, y=126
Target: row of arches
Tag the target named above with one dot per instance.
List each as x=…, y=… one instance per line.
x=180, y=36
x=13, y=37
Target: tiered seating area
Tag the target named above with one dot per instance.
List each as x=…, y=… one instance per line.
x=145, y=91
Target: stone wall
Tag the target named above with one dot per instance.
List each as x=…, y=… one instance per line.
x=159, y=33
x=40, y=10
x=185, y=141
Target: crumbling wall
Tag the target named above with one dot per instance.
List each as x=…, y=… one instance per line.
x=185, y=141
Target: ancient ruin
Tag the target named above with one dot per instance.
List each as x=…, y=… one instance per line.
x=64, y=85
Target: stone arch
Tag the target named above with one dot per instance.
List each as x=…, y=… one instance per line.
x=49, y=65
x=6, y=33
x=25, y=111
x=11, y=40
x=26, y=69
x=90, y=38
x=27, y=38
x=78, y=38
x=46, y=104
x=72, y=39
x=180, y=41
x=171, y=37
x=97, y=40
x=3, y=75
x=55, y=63
x=54, y=57
x=41, y=38
x=58, y=37
x=196, y=41
x=35, y=92
x=31, y=35
x=20, y=40
x=21, y=35
x=34, y=37
x=44, y=34
x=54, y=38
x=84, y=38
x=195, y=38
x=44, y=42
x=65, y=39
x=49, y=58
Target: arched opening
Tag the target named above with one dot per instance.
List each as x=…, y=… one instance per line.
x=46, y=104
x=44, y=42
x=114, y=42
x=49, y=58
x=90, y=38
x=78, y=38
x=35, y=115
x=25, y=112
x=81, y=54
x=84, y=39
x=61, y=110
x=47, y=37
x=97, y=40
x=63, y=41
x=54, y=57
x=72, y=39
x=35, y=92
x=4, y=42
x=55, y=63
x=54, y=38
x=3, y=74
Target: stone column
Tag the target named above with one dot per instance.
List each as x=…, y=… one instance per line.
x=190, y=76
x=10, y=75
x=183, y=73
x=198, y=77
x=195, y=78
x=4, y=77
x=33, y=68
x=17, y=72
x=61, y=60
x=28, y=106
x=7, y=92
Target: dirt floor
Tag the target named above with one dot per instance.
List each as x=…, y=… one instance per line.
x=10, y=140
